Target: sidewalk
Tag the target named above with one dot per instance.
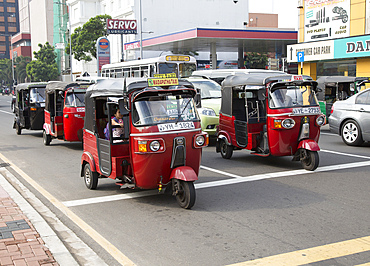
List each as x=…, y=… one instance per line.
x=20, y=243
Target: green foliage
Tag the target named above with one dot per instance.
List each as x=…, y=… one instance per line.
x=84, y=39
x=44, y=68
x=255, y=60
x=6, y=71
x=20, y=69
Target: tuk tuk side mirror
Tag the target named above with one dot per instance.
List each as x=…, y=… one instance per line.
x=123, y=106
x=352, y=87
x=61, y=94
x=198, y=99
x=261, y=95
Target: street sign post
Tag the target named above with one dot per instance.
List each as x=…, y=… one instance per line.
x=300, y=58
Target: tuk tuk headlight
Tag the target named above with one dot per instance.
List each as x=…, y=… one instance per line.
x=207, y=111
x=155, y=145
x=321, y=120
x=288, y=123
x=201, y=140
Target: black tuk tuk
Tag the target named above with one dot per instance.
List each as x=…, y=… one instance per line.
x=29, y=106
x=337, y=88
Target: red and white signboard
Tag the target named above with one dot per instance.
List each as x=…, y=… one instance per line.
x=121, y=26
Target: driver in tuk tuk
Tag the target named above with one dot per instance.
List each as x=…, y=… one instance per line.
x=283, y=100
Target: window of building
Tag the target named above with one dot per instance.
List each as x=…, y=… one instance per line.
x=336, y=68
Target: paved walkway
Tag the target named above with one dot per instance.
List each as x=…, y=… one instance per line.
x=20, y=243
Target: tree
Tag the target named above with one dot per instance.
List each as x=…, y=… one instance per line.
x=255, y=60
x=84, y=39
x=6, y=75
x=44, y=68
x=21, y=63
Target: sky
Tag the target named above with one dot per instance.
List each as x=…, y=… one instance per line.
x=286, y=9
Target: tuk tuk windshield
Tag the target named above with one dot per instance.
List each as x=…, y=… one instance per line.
x=208, y=89
x=164, y=109
x=292, y=96
x=75, y=99
x=37, y=95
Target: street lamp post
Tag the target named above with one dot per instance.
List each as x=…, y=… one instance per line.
x=141, y=31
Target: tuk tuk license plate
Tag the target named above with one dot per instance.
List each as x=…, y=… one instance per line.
x=175, y=126
x=306, y=110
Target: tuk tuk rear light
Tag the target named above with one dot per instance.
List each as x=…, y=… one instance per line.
x=288, y=123
x=321, y=120
x=33, y=109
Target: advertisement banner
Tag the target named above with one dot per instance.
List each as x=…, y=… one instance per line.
x=121, y=26
x=352, y=47
x=326, y=19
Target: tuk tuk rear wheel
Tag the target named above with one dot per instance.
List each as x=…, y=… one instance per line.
x=18, y=129
x=310, y=161
x=46, y=138
x=185, y=193
x=226, y=150
x=90, y=177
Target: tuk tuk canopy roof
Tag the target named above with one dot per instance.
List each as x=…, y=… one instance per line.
x=27, y=86
x=115, y=87
x=334, y=80
x=259, y=79
x=53, y=86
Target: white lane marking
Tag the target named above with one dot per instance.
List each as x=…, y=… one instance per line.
x=219, y=171
x=73, y=203
x=331, y=134
x=235, y=180
x=346, y=154
x=9, y=113
x=279, y=174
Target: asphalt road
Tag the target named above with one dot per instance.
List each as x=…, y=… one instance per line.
x=258, y=208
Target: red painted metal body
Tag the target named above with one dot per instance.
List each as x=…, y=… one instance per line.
x=65, y=125
x=148, y=169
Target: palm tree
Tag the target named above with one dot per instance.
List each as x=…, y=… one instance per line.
x=20, y=70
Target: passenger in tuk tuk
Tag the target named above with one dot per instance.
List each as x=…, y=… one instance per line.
x=342, y=93
x=116, y=120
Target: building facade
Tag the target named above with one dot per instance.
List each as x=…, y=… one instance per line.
x=156, y=18
x=9, y=26
x=333, y=38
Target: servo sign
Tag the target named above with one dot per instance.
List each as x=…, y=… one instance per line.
x=121, y=26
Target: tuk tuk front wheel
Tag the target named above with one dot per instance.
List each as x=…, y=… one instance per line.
x=310, y=160
x=226, y=150
x=90, y=177
x=185, y=193
x=18, y=129
x=46, y=138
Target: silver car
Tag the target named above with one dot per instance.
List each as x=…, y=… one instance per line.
x=351, y=118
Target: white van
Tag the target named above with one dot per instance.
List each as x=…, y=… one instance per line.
x=219, y=75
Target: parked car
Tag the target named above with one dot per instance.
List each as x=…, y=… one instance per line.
x=210, y=103
x=351, y=118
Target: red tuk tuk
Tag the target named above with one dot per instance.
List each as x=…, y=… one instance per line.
x=64, y=111
x=160, y=140
x=277, y=116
